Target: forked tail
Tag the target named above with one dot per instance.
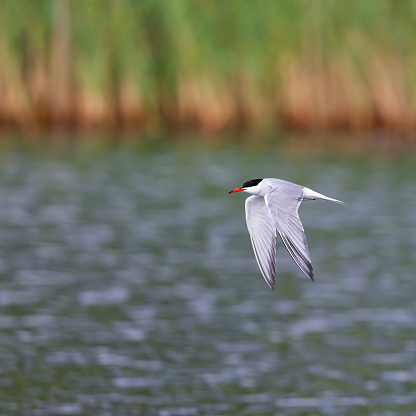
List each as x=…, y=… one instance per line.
x=309, y=194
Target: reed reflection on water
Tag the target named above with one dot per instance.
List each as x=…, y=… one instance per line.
x=129, y=286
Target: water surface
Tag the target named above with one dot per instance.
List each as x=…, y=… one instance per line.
x=129, y=286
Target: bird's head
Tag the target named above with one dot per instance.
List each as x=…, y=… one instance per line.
x=251, y=186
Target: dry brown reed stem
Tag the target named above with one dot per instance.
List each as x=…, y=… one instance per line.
x=309, y=93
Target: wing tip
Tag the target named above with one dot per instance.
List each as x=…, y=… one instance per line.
x=270, y=280
x=304, y=264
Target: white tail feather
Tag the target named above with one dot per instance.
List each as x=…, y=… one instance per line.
x=310, y=194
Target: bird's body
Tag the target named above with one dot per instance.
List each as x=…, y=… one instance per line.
x=274, y=205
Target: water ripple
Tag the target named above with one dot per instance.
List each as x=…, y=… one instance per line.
x=128, y=285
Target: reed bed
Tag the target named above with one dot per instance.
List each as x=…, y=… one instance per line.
x=212, y=66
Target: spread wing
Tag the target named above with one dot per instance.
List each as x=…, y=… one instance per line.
x=263, y=237
x=283, y=204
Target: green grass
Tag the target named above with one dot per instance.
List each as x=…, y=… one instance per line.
x=209, y=65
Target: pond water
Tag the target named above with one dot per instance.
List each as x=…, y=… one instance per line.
x=128, y=286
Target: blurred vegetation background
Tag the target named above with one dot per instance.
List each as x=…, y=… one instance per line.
x=209, y=65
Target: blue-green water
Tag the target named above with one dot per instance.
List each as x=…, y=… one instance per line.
x=128, y=286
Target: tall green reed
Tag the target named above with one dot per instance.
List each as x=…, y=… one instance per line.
x=209, y=65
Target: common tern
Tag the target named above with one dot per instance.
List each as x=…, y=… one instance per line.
x=274, y=205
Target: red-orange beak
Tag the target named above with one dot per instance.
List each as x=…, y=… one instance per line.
x=237, y=190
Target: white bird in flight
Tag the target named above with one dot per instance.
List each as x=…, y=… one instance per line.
x=274, y=205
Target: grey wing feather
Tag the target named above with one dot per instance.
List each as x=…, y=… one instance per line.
x=283, y=204
x=263, y=237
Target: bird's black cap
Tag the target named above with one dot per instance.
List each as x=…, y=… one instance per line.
x=251, y=182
